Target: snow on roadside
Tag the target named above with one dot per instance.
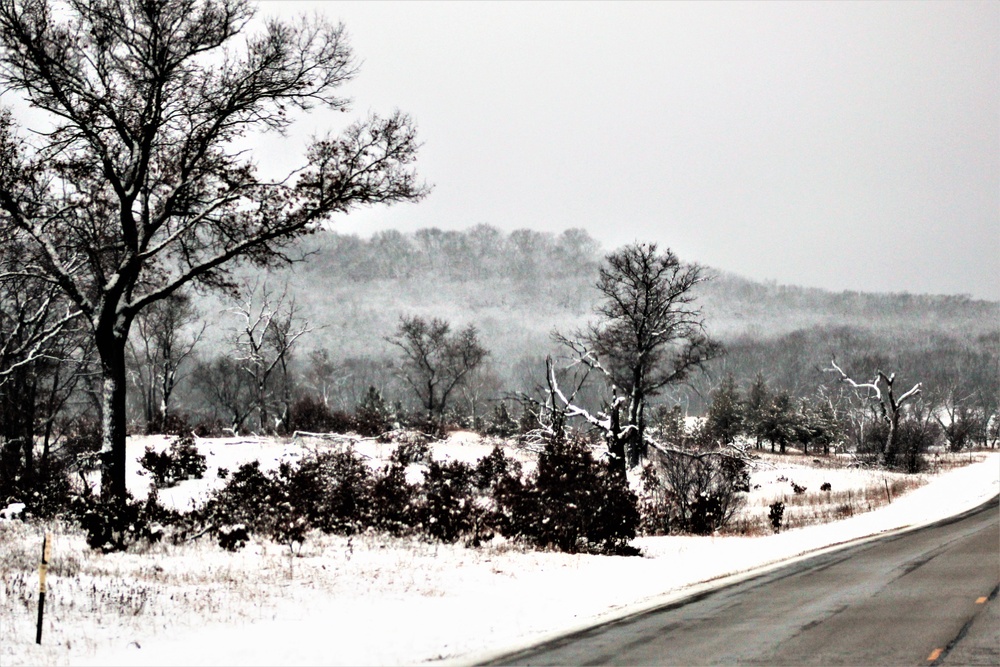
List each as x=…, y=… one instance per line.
x=376, y=601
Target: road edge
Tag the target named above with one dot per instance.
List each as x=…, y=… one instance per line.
x=679, y=595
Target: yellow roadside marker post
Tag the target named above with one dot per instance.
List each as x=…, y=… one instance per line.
x=46, y=552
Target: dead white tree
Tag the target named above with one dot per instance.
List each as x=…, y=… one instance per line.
x=556, y=408
x=268, y=332
x=881, y=392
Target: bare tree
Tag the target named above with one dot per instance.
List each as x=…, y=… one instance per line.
x=227, y=389
x=269, y=329
x=37, y=335
x=481, y=386
x=881, y=393
x=650, y=334
x=132, y=187
x=436, y=361
x=162, y=341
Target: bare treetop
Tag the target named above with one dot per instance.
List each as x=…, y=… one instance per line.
x=138, y=166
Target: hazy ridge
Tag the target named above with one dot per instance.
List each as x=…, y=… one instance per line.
x=518, y=287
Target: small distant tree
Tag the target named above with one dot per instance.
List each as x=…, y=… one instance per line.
x=755, y=408
x=819, y=424
x=780, y=422
x=435, y=360
x=725, y=415
x=374, y=415
x=269, y=330
x=227, y=389
x=162, y=340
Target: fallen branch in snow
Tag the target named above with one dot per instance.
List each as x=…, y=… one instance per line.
x=731, y=451
x=336, y=437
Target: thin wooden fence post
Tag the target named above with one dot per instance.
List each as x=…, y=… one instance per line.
x=42, y=569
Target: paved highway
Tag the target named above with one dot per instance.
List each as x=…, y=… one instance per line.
x=924, y=597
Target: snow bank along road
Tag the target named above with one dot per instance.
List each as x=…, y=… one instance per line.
x=908, y=598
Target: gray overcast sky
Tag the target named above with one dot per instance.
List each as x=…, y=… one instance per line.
x=837, y=145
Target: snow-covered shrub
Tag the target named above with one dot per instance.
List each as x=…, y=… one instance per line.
x=573, y=503
x=233, y=538
x=12, y=511
x=332, y=491
x=494, y=467
x=248, y=498
x=412, y=448
x=44, y=493
x=309, y=414
x=180, y=461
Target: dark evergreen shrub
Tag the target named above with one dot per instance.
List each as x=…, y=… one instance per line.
x=573, y=503
x=180, y=461
x=776, y=514
x=449, y=510
x=309, y=414
x=249, y=498
x=111, y=526
x=374, y=416
x=332, y=491
x=51, y=492
x=493, y=468
x=233, y=538
x=394, y=501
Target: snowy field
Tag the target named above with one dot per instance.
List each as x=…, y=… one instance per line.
x=373, y=600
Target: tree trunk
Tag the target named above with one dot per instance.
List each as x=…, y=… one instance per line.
x=27, y=418
x=890, y=445
x=634, y=441
x=616, y=445
x=113, y=417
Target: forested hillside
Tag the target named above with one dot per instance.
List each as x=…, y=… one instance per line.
x=517, y=288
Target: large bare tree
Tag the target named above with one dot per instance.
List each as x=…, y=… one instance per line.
x=651, y=334
x=133, y=185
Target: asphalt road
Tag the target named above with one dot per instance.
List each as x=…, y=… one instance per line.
x=924, y=597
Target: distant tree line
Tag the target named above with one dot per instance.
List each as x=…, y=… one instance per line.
x=479, y=253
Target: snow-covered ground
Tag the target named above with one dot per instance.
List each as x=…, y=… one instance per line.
x=378, y=600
